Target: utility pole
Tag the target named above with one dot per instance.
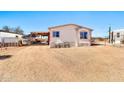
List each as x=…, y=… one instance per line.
x=105, y=40
x=109, y=34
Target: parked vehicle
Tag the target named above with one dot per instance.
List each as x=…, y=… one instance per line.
x=25, y=42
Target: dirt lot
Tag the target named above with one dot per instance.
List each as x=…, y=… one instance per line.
x=40, y=63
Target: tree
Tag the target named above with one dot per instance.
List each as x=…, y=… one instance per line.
x=18, y=30
x=6, y=28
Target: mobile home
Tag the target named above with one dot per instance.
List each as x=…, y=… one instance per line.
x=117, y=36
x=76, y=35
x=9, y=38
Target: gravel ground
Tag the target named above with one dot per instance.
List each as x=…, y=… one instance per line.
x=41, y=63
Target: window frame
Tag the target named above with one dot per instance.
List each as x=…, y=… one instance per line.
x=83, y=35
x=56, y=34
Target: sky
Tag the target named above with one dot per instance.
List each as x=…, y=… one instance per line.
x=36, y=21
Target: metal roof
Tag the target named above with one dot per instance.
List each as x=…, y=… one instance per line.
x=9, y=32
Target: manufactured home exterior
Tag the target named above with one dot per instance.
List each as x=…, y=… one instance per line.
x=76, y=35
x=117, y=36
x=9, y=37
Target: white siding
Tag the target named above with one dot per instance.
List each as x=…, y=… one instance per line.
x=10, y=40
x=84, y=41
x=9, y=37
x=118, y=39
x=70, y=34
x=67, y=34
x=5, y=34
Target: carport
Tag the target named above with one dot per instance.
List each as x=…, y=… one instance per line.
x=40, y=37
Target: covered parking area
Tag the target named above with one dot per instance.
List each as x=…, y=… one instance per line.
x=40, y=37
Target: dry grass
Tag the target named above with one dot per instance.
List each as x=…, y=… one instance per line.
x=40, y=63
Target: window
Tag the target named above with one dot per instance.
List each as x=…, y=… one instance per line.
x=118, y=35
x=83, y=35
x=56, y=34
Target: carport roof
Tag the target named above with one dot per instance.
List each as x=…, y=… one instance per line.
x=39, y=33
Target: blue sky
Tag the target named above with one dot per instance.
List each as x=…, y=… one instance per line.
x=40, y=20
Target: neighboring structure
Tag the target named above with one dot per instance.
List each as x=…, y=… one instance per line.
x=26, y=40
x=39, y=37
x=117, y=36
x=74, y=34
x=9, y=38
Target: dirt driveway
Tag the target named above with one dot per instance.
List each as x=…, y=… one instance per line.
x=41, y=63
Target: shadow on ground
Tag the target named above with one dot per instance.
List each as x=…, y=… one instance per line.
x=97, y=44
x=2, y=57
